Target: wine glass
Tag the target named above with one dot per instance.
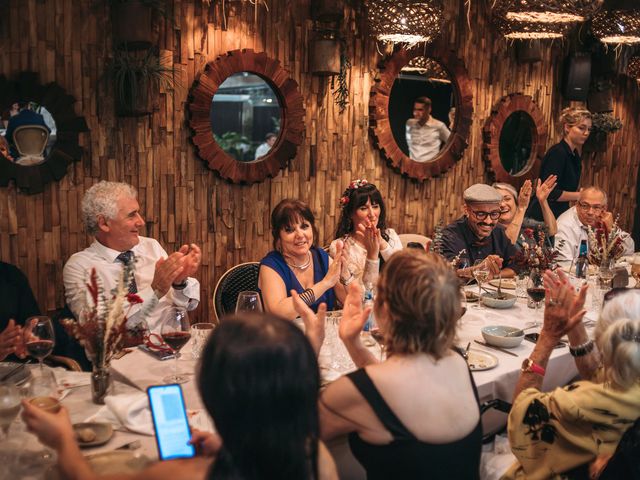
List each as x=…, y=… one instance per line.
x=481, y=274
x=39, y=338
x=9, y=405
x=248, y=302
x=635, y=270
x=606, y=272
x=176, y=332
x=535, y=290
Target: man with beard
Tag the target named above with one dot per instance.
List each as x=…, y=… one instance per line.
x=478, y=234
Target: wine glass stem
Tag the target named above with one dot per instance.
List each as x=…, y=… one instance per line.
x=41, y=361
x=479, y=294
x=175, y=374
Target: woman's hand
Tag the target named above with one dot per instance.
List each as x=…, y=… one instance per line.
x=563, y=308
x=524, y=197
x=52, y=429
x=543, y=189
x=335, y=268
x=11, y=340
x=313, y=323
x=206, y=444
x=353, y=315
x=369, y=236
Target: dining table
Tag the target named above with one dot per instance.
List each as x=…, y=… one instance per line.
x=137, y=370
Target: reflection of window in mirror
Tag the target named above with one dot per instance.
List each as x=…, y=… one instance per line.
x=516, y=142
x=30, y=132
x=245, y=116
x=420, y=109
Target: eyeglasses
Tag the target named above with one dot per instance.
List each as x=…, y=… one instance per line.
x=481, y=215
x=587, y=206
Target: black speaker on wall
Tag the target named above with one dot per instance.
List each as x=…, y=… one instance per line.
x=577, y=76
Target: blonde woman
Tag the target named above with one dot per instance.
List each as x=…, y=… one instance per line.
x=561, y=432
x=563, y=160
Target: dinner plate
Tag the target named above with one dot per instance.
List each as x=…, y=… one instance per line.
x=19, y=377
x=479, y=360
x=110, y=463
x=103, y=432
x=507, y=283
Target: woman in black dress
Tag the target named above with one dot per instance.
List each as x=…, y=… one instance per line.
x=563, y=160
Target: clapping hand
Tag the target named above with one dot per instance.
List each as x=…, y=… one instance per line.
x=336, y=266
x=313, y=323
x=192, y=255
x=354, y=316
x=524, y=197
x=563, y=308
x=543, y=189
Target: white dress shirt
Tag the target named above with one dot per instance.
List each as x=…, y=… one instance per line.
x=147, y=252
x=361, y=268
x=424, y=141
x=572, y=231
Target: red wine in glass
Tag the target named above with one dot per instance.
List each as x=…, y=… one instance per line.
x=536, y=293
x=39, y=349
x=176, y=340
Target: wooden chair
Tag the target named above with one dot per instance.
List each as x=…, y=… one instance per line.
x=237, y=279
x=30, y=141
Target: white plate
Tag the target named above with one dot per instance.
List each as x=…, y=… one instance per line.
x=103, y=432
x=479, y=360
x=507, y=283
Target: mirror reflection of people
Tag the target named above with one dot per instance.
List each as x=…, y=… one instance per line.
x=452, y=117
x=25, y=116
x=266, y=146
x=425, y=134
x=5, y=150
x=563, y=160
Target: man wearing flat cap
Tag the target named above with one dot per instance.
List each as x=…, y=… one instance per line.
x=478, y=233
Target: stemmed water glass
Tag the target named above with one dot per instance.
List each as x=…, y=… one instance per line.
x=9, y=406
x=481, y=274
x=38, y=337
x=248, y=302
x=176, y=332
x=535, y=290
x=606, y=272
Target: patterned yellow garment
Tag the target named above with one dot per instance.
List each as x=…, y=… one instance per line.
x=554, y=432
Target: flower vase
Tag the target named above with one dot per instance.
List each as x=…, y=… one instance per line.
x=100, y=382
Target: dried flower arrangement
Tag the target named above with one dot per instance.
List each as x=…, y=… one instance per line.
x=536, y=253
x=605, y=244
x=102, y=325
x=605, y=122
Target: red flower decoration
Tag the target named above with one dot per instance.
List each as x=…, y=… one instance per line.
x=133, y=299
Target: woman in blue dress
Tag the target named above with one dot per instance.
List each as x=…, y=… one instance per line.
x=296, y=263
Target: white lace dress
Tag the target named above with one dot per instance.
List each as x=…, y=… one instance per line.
x=364, y=270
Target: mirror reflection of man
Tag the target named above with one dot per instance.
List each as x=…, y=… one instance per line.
x=264, y=147
x=425, y=134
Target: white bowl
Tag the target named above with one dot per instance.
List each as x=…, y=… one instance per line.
x=491, y=300
x=497, y=335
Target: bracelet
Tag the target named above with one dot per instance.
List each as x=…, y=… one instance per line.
x=308, y=297
x=347, y=281
x=581, y=350
x=180, y=286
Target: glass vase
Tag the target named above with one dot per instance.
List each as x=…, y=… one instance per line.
x=100, y=382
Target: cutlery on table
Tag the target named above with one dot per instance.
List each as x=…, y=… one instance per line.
x=516, y=333
x=12, y=372
x=503, y=350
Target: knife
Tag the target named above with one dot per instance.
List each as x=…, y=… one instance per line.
x=503, y=350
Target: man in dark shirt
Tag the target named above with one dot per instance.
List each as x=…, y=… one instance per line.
x=17, y=303
x=478, y=233
x=26, y=116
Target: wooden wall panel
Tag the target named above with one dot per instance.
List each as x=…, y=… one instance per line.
x=69, y=42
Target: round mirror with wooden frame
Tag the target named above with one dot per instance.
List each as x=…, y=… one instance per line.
x=386, y=120
x=50, y=132
x=232, y=155
x=514, y=139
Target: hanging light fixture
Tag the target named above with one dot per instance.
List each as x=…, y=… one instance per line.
x=405, y=21
x=633, y=68
x=620, y=24
x=540, y=19
x=427, y=67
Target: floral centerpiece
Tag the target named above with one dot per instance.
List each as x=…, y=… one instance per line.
x=604, y=243
x=101, y=327
x=536, y=254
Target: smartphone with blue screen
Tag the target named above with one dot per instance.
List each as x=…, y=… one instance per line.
x=170, y=422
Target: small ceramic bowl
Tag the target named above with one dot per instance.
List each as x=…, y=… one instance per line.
x=491, y=300
x=497, y=335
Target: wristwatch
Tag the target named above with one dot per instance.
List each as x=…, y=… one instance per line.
x=180, y=286
x=529, y=366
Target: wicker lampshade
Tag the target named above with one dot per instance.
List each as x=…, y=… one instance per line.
x=618, y=26
x=633, y=68
x=405, y=21
x=535, y=19
x=428, y=67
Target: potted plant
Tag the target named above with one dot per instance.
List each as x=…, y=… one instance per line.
x=132, y=23
x=602, y=124
x=137, y=80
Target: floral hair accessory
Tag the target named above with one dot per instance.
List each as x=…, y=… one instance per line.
x=354, y=185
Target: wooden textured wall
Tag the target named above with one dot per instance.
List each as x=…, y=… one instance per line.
x=69, y=42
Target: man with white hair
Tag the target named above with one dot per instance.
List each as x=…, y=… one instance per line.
x=590, y=211
x=111, y=213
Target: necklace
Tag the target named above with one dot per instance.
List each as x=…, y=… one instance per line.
x=303, y=266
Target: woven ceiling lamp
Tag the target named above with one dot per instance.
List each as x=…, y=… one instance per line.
x=633, y=68
x=428, y=67
x=406, y=22
x=541, y=19
x=619, y=24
